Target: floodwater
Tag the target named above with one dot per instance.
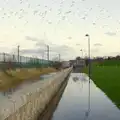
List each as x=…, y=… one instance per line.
x=5, y=94
x=47, y=76
x=77, y=104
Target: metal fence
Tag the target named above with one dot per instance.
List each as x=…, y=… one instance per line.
x=9, y=60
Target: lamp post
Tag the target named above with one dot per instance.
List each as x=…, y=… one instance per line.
x=59, y=57
x=18, y=53
x=88, y=36
x=42, y=59
x=82, y=52
x=48, y=53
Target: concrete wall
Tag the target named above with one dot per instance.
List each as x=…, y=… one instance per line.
x=28, y=102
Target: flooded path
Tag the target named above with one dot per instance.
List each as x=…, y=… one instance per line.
x=74, y=103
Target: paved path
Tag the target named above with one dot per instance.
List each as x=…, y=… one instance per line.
x=74, y=103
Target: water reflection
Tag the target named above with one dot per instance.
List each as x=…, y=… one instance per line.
x=10, y=91
x=79, y=77
x=76, y=105
x=79, y=80
x=47, y=76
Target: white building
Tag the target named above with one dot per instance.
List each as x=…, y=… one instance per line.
x=80, y=62
x=65, y=64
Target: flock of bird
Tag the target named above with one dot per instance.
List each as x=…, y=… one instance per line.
x=43, y=12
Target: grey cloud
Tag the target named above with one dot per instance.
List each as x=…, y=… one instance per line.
x=111, y=33
x=69, y=38
x=54, y=47
x=64, y=50
x=98, y=44
x=95, y=50
x=41, y=43
x=32, y=51
x=40, y=47
x=31, y=38
x=114, y=53
x=77, y=44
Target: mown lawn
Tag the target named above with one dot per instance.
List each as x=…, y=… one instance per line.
x=107, y=78
x=110, y=63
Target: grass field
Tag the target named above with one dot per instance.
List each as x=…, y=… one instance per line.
x=110, y=63
x=13, y=78
x=107, y=78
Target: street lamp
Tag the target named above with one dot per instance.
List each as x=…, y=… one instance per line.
x=82, y=52
x=88, y=36
x=48, y=53
x=43, y=58
x=18, y=53
x=59, y=57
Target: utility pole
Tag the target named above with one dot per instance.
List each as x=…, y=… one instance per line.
x=48, y=52
x=42, y=59
x=18, y=53
x=59, y=57
x=82, y=53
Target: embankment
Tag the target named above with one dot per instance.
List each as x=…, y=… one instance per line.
x=13, y=78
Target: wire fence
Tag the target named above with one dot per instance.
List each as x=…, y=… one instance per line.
x=15, y=61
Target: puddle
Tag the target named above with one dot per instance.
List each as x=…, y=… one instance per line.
x=77, y=104
x=47, y=76
x=9, y=92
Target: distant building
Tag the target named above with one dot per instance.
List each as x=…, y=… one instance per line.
x=78, y=62
x=66, y=64
x=72, y=62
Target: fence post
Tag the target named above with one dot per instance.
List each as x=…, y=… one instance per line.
x=26, y=60
x=14, y=58
x=33, y=61
x=3, y=57
x=19, y=59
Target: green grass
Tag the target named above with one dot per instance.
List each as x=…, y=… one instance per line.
x=110, y=63
x=107, y=78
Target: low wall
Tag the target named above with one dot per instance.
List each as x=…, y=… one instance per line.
x=30, y=101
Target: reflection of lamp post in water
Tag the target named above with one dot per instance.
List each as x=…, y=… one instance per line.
x=82, y=53
x=87, y=35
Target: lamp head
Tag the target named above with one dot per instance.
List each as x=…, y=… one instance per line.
x=87, y=35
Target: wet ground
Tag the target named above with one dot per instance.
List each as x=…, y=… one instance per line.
x=77, y=104
x=8, y=93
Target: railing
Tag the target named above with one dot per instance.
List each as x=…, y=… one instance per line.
x=15, y=61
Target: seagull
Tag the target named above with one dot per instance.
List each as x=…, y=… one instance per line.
x=68, y=12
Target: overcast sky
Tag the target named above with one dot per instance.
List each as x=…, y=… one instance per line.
x=62, y=24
